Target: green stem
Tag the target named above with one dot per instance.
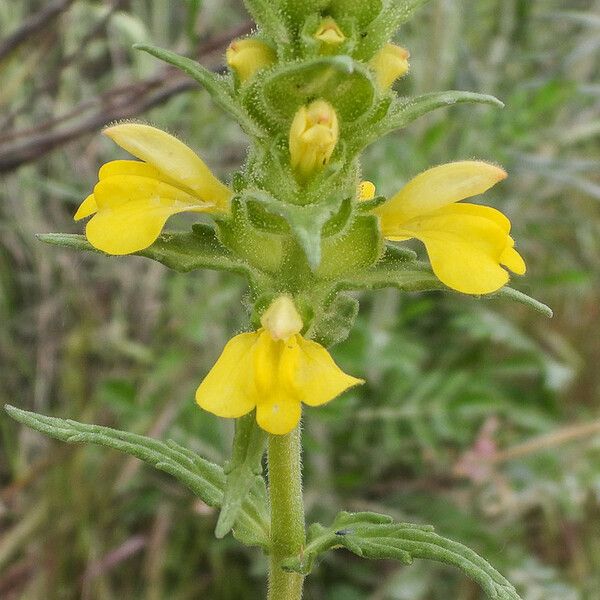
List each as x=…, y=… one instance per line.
x=287, y=513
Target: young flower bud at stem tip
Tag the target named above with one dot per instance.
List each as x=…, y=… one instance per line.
x=366, y=190
x=329, y=33
x=313, y=136
x=282, y=319
x=390, y=63
x=247, y=56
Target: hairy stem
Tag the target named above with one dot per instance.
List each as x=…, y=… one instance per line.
x=287, y=513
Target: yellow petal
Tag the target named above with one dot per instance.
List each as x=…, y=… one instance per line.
x=278, y=413
x=314, y=134
x=511, y=259
x=172, y=158
x=228, y=389
x=318, y=379
x=329, y=33
x=128, y=167
x=132, y=211
x=86, y=208
x=390, y=63
x=438, y=187
x=464, y=250
x=366, y=190
x=248, y=56
x=275, y=365
x=114, y=192
x=476, y=210
x=282, y=318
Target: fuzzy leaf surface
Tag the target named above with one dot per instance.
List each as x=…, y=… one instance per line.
x=216, y=85
x=404, y=111
x=205, y=479
x=242, y=472
x=183, y=252
x=397, y=268
x=383, y=27
x=375, y=536
x=266, y=14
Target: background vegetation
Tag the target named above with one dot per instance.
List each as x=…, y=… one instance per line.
x=479, y=416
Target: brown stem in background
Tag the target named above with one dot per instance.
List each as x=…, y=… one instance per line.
x=122, y=102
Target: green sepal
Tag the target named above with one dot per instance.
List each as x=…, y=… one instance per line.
x=366, y=206
x=340, y=220
x=313, y=47
x=374, y=536
x=216, y=85
x=403, y=111
x=262, y=250
x=340, y=80
x=398, y=269
x=306, y=222
x=271, y=20
x=362, y=11
x=242, y=472
x=298, y=11
x=379, y=31
x=205, y=479
x=355, y=248
x=333, y=323
x=182, y=252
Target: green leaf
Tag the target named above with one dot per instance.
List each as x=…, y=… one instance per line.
x=398, y=269
x=242, y=471
x=406, y=110
x=216, y=85
x=183, y=252
x=374, y=536
x=205, y=479
x=383, y=27
x=517, y=296
x=338, y=79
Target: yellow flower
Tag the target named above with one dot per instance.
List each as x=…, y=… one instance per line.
x=133, y=200
x=273, y=370
x=247, y=56
x=313, y=136
x=390, y=63
x=468, y=244
x=329, y=33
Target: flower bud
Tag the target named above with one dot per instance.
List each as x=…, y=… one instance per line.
x=366, y=190
x=247, y=56
x=282, y=319
x=313, y=136
x=390, y=63
x=329, y=33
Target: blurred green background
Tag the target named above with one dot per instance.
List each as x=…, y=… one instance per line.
x=480, y=417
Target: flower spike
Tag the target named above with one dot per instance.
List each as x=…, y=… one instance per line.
x=468, y=244
x=132, y=200
x=274, y=370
